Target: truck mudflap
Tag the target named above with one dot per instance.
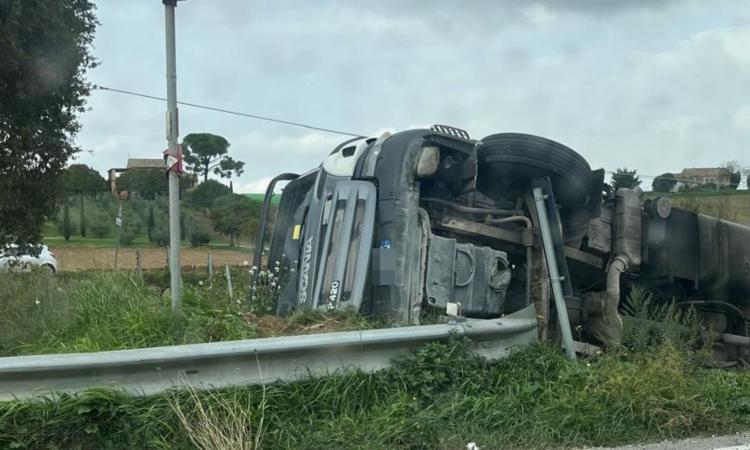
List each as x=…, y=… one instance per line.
x=335, y=256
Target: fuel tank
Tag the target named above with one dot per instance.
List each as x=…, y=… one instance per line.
x=709, y=257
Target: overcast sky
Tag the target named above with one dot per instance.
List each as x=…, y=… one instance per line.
x=650, y=85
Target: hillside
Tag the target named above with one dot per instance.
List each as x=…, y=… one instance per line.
x=733, y=206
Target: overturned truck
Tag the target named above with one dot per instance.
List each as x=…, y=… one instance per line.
x=432, y=220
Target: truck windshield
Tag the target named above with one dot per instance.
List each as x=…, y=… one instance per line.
x=291, y=198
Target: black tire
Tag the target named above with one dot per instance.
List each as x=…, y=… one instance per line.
x=508, y=160
x=48, y=268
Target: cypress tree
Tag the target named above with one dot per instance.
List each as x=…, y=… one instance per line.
x=83, y=219
x=66, y=222
x=150, y=223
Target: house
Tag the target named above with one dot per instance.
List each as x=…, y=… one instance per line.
x=700, y=176
x=188, y=181
x=133, y=163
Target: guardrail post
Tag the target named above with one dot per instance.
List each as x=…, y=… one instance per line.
x=554, y=274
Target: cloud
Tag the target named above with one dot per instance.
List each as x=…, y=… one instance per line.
x=741, y=119
x=255, y=186
x=539, y=14
x=619, y=81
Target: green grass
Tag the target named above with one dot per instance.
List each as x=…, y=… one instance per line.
x=140, y=241
x=41, y=313
x=440, y=397
x=260, y=197
x=729, y=205
x=57, y=241
x=96, y=311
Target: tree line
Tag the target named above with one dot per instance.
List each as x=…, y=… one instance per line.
x=666, y=182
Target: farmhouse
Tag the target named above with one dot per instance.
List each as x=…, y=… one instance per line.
x=699, y=176
x=133, y=163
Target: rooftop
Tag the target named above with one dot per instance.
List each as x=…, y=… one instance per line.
x=145, y=163
x=705, y=172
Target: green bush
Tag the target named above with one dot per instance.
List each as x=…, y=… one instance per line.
x=648, y=324
x=160, y=235
x=127, y=237
x=198, y=238
x=100, y=223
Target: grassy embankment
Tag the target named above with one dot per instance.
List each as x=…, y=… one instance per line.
x=440, y=397
x=730, y=205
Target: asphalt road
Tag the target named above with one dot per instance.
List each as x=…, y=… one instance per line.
x=740, y=441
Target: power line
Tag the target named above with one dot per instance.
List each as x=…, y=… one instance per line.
x=227, y=111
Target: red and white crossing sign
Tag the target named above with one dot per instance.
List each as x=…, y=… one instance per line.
x=174, y=161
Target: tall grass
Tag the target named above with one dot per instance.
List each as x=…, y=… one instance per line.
x=212, y=422
x=96, y=311
x=440, y=397
x=41, y=313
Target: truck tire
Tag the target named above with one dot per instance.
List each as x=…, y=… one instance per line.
x=508, y=159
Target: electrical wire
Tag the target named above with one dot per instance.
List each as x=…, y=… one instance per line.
x=227, y=111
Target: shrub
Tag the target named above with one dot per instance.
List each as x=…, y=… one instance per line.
x=127, y=237
x=648, y=324
x=99, y=225
x=198, y=238
x=160, y=235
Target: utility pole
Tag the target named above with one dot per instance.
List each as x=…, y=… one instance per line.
x=173, y=158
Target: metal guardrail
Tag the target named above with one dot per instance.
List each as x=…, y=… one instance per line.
x=257, y=361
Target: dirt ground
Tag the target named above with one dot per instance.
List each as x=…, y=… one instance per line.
x=71, y=259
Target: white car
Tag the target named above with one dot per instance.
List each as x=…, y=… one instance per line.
x=16, y=259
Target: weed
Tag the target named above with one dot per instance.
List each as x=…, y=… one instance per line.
x=217, y=421
x=647, y=324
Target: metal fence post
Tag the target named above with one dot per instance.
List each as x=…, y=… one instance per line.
x=228, y=276
x=138, y=268
x=118, y=224
x=210, y=268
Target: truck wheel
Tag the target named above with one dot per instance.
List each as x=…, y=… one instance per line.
x=508, y=160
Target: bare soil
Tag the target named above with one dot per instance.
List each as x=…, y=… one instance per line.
x=71, y=259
